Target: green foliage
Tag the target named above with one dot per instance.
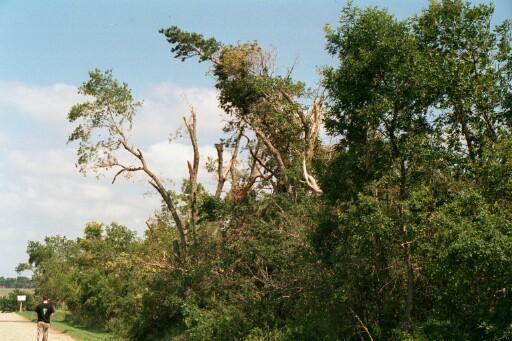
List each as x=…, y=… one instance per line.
x=410, y=240
x=10, y=302
x=83, y=275
x=188, y=45
x=101, y=121
x=380, y=72
x=419, y=107
x=495, y=172
x=470, y=262
x=469, y=71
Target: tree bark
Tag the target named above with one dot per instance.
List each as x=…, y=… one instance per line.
x=220, y=169
x=282, y=177
x=157, y=184
x=193, y=168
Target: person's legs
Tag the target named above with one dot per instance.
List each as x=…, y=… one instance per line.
x=39, y=331
x=42, y=331
x=46, y=326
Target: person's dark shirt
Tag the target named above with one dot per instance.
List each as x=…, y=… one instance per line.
x=44, y=310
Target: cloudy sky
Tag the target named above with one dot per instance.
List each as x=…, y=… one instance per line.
x=46, y=50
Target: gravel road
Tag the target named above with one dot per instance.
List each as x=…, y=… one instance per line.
x=16, y=328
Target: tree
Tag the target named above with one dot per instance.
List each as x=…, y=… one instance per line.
x=193, y=168
x=103, y=132
x=420, y=108
x=260, y=104
x=407, y=235
x=53, y=265
x=470, y=72
x=378, y=107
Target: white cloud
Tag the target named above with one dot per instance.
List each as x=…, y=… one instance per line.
x=10, y=200
x=166, y=104
x=52, y=161
x=169, y=160
x=44, y=103
x=95, y=192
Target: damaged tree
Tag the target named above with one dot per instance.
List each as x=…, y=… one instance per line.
x=268, y=105
x=193, y=168
x=102, y=132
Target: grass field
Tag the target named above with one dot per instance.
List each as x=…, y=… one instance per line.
x=6, y=291
x=59, y=322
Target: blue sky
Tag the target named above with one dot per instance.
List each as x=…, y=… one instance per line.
x=46, y=49
x=56, y=41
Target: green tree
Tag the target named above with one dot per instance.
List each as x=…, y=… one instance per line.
x=103, y=131
x=264, y=107
x=470, y=72
x=420, y=108
x=379, y=108
x=53, y=263
x=407, y=238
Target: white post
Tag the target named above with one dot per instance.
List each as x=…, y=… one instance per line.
x=21, y=306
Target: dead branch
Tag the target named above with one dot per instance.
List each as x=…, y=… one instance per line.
x=257, y=158
x=234, y=155
x=310, y=180
x=231, y=167
x=193, y=169
x=221, y=179
x=254, y=174
x=282, y=178
x=362, y=324
x=124, y=169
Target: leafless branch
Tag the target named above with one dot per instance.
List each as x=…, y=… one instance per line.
x=221, y=179
x=310, y=180
x=193, y=169
x=362, y=324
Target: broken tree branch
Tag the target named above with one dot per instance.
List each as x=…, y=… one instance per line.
x=193, y=169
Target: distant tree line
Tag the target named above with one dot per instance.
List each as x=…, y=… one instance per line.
x=16, y=282
x=399, y=230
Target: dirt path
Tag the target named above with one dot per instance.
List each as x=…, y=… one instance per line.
x=15, y=328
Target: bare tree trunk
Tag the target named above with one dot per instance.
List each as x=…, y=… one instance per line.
x=232, y=162
x=310, y=124
x=193, y=169
x=231, y=168
x=220, y=169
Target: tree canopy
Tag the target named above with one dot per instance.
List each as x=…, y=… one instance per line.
x=400, y=230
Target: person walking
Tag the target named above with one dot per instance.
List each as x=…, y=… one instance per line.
x=44, y=310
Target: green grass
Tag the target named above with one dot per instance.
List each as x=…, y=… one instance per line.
x=58, y=322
